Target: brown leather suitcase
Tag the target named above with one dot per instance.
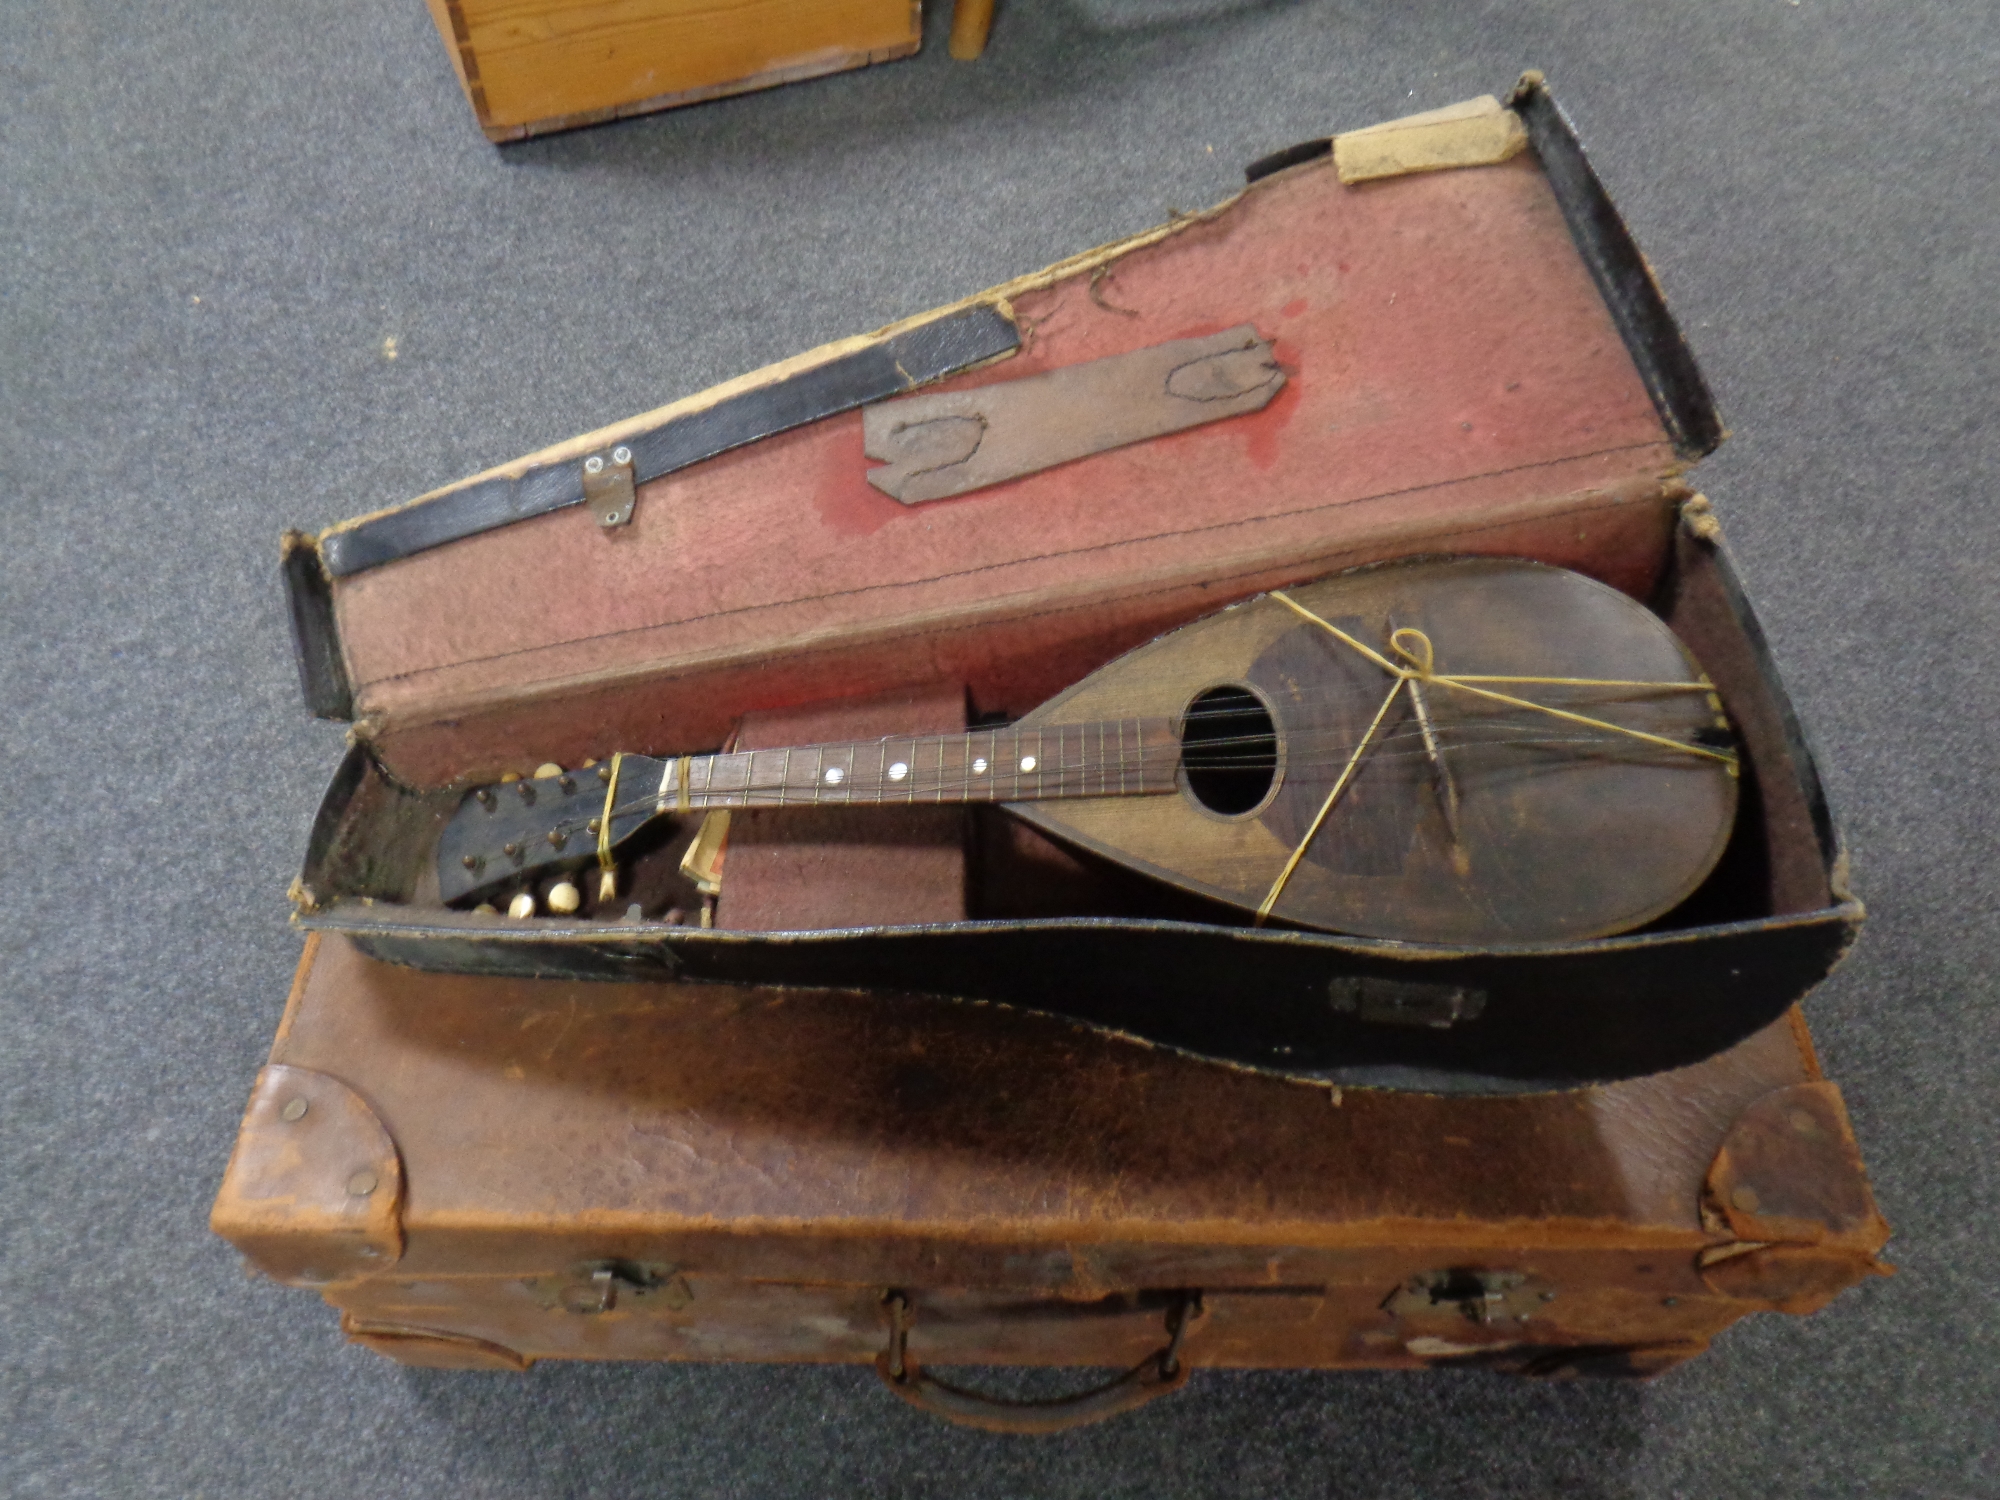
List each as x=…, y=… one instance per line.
x=482, y=1173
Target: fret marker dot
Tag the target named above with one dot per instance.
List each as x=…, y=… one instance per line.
x=1027, y=762
x=979, y=767
x=898, y=771
x=833, y=775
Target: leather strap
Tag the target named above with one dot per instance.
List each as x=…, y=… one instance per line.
x=1158, y=1374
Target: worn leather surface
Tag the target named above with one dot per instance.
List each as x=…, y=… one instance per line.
x=686, y=1171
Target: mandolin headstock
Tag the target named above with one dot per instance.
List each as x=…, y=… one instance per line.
x=510, y=832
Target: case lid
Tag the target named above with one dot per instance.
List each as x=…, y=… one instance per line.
x=1435, y=327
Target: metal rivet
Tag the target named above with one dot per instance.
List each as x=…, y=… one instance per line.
x=593, y=465
x=483, y=797
x=294, y=1110
x=527, y=790
x=557, y=837
x=604, y=773
x=361, y=1184
x=621, y=455
x=567, y=783
x=471, y=861
x=510, y=849
x=1746, y=1199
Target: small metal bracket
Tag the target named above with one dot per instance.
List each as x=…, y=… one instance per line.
x=1405, y=1002
x=1476, y=1296
x=605, y=1285
x=608, y=486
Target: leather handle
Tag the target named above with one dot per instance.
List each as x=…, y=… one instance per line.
x=1158, y=1374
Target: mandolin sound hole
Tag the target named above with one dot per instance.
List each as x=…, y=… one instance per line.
x=1229, y=750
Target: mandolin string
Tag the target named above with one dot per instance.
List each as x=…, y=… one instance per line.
x=1422, y=672
x=1415, y=647
x=1346, y=775
x=773, y=794
x=1420, y=654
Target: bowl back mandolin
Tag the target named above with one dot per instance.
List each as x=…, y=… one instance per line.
x=1459, y=750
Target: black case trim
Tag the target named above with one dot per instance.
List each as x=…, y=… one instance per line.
x=315, y=635
x=944, y=346
x=1549, y=1017
x=1624, y=280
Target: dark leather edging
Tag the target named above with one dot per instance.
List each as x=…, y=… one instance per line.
x=1798, y=741
x=1291, y=156
x=315, y=637
x=1651, y=335
x=912, y=358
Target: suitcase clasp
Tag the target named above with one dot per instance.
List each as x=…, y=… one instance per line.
x=1476, y=1296
x=600, y=1286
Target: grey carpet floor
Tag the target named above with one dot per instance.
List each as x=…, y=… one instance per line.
x=215, y=218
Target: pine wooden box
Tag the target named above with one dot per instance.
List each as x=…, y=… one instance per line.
x=530, y=67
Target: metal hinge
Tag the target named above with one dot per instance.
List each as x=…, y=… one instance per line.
x=1405, y=1002
x=608, y=486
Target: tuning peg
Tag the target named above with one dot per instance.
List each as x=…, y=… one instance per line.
x=510, y=775
x=607, y=887
x=487, y=909
x=564, y=897
x=547, y=769
x=522, y=905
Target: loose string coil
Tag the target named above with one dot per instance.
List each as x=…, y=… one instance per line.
x=1416, y=649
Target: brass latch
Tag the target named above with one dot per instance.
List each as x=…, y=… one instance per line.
x=603, y=1286
x=1476, y=1296
x=608, y=486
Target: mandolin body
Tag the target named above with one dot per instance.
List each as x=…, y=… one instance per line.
x=1557, y=832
